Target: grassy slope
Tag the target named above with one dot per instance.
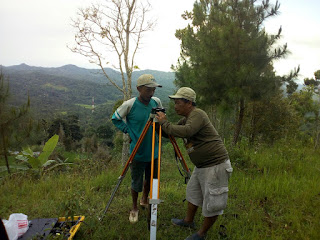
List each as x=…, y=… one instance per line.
x=274, y=194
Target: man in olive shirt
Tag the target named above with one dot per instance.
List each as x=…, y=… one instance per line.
x=208, y=185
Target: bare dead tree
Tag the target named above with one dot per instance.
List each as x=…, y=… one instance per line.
x=110, y=33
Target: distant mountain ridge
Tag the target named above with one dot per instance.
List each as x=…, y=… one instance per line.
x=63, y=89
x=95, y=75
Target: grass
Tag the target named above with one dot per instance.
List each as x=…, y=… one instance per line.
x=84, y=105
x=56, y=87
x=274, y=194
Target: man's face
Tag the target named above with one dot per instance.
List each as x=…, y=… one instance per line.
x=146, y=93
x=181, y=107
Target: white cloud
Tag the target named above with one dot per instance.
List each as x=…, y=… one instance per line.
x=300, y=21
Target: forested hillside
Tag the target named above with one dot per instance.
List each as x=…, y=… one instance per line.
x=70, y=89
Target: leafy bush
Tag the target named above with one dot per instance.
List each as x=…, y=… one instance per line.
x=41, y=162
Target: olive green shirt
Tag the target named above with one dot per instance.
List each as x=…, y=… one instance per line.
x=202, y=141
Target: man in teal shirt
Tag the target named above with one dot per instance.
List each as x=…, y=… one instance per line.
x=131, y=118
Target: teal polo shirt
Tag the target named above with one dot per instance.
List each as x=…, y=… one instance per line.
x=131, y=117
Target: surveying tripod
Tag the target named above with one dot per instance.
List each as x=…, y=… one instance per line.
x=154, y=182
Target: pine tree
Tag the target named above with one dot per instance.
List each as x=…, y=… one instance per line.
x=314, y=86
x=227, y=56
x=8, y=117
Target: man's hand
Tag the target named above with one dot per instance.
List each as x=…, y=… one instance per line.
x=161, y=117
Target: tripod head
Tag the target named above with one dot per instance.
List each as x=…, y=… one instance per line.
x=158, y=109
x=154, y=112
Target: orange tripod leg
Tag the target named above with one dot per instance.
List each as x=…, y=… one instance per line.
x=154, y=187
x=159, y=160
x=125, y=169
x=177, y=150
x=136, y=147
x=152, y=158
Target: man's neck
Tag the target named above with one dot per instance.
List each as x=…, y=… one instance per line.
x=190, y=110
x=142, y=101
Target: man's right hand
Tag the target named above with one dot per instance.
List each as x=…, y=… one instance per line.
x=161, y=117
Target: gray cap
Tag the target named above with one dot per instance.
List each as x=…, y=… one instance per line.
x=185, y=93
x=147, y=80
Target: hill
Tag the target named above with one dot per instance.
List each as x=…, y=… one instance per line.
x=70, y=89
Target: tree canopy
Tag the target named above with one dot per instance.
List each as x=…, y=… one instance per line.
x=227, y=56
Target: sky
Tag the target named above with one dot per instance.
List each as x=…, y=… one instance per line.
x=37, y=32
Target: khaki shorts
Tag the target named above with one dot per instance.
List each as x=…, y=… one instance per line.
x=208, y=188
